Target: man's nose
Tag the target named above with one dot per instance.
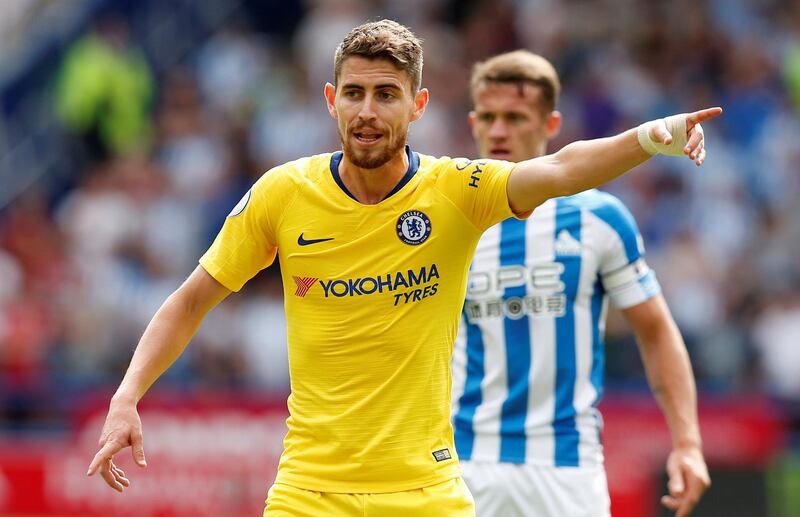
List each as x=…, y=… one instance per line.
x=367, y=111
x=498, y=129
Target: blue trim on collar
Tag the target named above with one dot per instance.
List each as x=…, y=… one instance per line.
x=413, y=166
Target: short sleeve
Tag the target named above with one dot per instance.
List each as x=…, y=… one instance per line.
x=478, y=188
x=247, y=242
x=626, y=277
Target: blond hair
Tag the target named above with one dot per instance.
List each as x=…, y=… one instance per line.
x=519, y=67
x=384, y=39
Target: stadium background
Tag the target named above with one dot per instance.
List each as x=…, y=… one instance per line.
x=128, y=129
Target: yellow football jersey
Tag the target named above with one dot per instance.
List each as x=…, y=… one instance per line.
x=372, y=297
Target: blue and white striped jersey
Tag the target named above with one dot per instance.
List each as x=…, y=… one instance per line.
x=528, y=360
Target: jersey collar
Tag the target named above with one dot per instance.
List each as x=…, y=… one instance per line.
x=413, y=165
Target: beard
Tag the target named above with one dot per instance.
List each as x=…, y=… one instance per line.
x=373, y=158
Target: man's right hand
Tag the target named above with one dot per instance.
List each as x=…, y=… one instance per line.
x=122, y=428
x=688, y=480
x=163, y=340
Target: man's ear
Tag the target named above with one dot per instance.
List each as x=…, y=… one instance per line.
x=330, y=99
x=472, y=118
x=553, y=124
x=420, y=101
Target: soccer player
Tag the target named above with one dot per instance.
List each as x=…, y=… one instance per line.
x=375, y=242
x=528, y=361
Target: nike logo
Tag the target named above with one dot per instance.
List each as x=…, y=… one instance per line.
x=305, y=242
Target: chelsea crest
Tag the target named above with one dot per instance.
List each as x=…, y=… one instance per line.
x=413, y=227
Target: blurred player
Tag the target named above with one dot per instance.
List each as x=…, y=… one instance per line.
x=374, y=243
x=528, y=364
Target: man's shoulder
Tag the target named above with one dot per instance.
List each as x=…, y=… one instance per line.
x=608, y=211
x=429, y=164
x=594, y=199
x=603, y=205
x=291, y=175
x=447, y=167
x=305, y=167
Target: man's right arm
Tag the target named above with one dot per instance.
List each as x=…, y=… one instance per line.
x=161, y=344
x=586, y=164
x=669, y=373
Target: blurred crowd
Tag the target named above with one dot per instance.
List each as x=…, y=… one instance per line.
x=161, y=156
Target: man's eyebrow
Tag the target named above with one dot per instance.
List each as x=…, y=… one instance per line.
x=356, y=86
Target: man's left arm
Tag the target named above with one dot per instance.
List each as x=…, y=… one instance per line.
x=669, y=373
x=587, y=164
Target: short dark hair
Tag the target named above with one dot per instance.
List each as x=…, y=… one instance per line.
x=384, y=39
x=519, y=67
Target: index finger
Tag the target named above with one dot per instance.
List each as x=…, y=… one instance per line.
x=694, y=491
x=703, y=115
x=104, y=454
x=686, y=507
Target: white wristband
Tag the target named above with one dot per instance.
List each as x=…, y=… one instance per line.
x=676, y=125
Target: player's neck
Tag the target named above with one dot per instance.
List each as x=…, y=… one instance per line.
x=370, y=186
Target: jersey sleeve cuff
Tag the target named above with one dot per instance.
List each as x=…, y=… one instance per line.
x=636, y=292
x=522, y=215
x=220, y=275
